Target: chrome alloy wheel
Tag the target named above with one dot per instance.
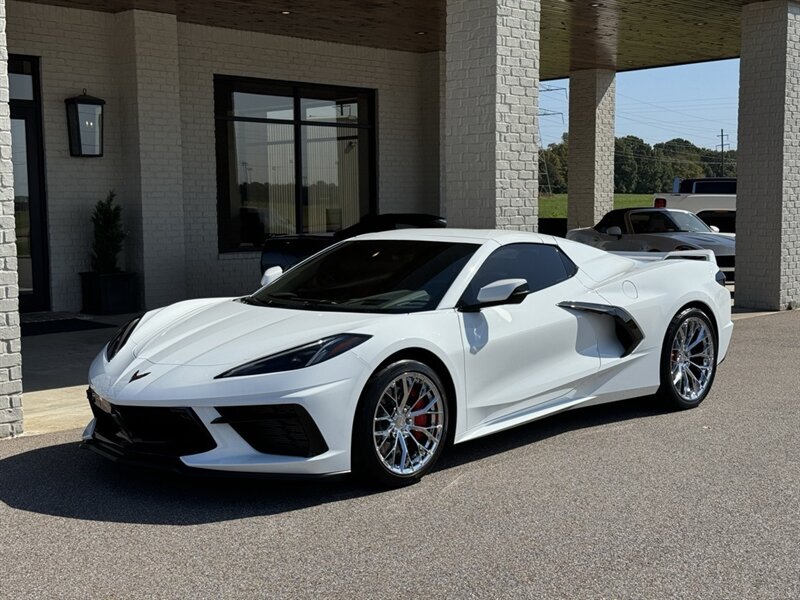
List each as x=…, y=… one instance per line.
x=408, y=423
x=692, y=359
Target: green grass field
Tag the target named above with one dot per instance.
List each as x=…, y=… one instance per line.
x=555, y=206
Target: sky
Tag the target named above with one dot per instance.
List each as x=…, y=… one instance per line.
x=693, y=102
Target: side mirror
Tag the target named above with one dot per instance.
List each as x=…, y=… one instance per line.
x=615, y=231
x=504, y=291
x=271, y=275
x=714, y=228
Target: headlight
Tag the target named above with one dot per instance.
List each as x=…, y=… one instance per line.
x=300, y=357
x=119, y=340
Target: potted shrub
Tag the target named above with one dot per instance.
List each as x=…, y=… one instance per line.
x=106, y=289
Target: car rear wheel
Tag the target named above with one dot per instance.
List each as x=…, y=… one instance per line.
x=401, y=424
x=688, y=359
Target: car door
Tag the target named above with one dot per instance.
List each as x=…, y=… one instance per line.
x=520, y=356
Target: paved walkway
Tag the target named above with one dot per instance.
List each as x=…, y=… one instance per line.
x=54, y=377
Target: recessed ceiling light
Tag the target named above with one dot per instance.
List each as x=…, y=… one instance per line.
x=420, y=32
x=595, y=5
x=286, y=12
x=700, y=23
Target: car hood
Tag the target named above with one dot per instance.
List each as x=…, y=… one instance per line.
x=229, y=332
x=720, y=243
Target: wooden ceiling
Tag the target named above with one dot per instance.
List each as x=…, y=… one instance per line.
x=575, y=34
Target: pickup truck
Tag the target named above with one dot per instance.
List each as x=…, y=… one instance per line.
x=711, y=199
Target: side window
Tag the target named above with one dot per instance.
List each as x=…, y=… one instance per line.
x=640, y=222
x=611, y=219
x=651, y=222
x=540, y=265
x=715, y=187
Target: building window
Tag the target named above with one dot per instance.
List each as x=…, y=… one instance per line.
x=292, y=158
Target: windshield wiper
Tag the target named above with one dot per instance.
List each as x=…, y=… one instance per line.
x=291, y=299
x=251, y=300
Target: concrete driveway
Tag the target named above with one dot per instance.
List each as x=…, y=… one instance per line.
x=621, y=501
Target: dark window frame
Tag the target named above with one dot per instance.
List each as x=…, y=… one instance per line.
x=41, y=299
x=224, y=88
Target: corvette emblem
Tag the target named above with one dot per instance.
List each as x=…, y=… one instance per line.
x=138, y=375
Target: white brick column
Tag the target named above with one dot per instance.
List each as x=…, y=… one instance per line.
x=10, y=358
x=592, y=95
x=768, y=162
x=491, y=101
x=152, y=194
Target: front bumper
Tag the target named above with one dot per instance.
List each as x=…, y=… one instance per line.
x=300, y=433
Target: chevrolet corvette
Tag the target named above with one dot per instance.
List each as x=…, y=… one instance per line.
x=377, y=353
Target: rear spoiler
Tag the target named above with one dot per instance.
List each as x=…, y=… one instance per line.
x=703, y=255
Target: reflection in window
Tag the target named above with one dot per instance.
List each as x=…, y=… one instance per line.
x=259, y=106
x=269, y=134
x=334, y=111
x=332, y=172
x=262, y=180
x=20, y=86
x=19, y=160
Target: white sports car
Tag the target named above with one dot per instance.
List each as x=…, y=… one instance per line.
x=374, y=354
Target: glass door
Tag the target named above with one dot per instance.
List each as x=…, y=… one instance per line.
x=29, y=202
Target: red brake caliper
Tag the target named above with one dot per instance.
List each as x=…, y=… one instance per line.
x=419, y=420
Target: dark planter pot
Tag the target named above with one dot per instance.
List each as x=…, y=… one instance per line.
x=109, y=293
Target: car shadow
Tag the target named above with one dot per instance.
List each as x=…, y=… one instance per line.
x=66, y=481
x=571, y=420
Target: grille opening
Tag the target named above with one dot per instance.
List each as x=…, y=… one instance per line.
x=161, y=431
x=283, y=429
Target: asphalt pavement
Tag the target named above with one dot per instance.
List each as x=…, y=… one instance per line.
x=619, y=501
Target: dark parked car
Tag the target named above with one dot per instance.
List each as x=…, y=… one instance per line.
x=287, y=250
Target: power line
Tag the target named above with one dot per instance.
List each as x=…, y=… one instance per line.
x=678, y=112
x=705, y=134
x=664, y=159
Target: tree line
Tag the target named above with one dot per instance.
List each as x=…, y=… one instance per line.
x=640, y=168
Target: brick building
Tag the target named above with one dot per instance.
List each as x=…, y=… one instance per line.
x=228, y=121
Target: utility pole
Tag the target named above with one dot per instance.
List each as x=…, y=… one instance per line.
x=722, y=136
x=548, y=113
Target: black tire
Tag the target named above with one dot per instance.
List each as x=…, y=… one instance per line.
x=367, y=463
x=695, y=371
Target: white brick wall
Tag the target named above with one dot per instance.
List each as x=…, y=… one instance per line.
x=77, y=51
x=10, y=359
x=403, y=107
x=768, y=200
x=148, y=75
x=592, y=95
x=492, y=83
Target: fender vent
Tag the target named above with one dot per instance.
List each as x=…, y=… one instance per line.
x=626, y=328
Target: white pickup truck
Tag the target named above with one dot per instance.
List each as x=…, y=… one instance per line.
x=711, y=199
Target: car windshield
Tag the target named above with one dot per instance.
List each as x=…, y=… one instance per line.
x=380, y=276
x=666, y=222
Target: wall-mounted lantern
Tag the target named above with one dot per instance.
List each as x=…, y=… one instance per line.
x=85, y=125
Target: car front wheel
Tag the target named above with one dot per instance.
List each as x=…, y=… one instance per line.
x=401, y=424
x=688, y=359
